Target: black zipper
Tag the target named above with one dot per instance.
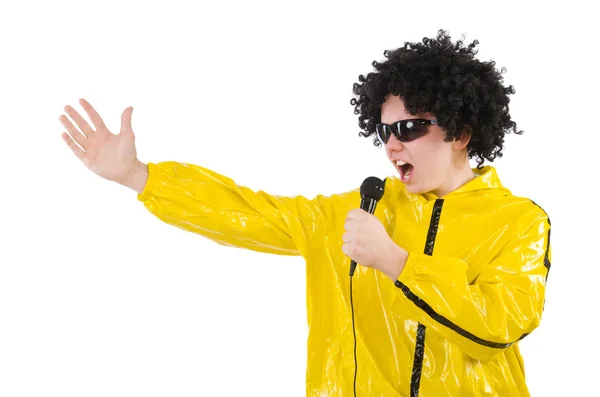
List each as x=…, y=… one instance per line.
x=415, y=381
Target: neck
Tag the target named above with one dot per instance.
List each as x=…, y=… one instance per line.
x=460, y=174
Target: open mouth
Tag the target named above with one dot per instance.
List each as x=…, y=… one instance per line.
x=406, y=170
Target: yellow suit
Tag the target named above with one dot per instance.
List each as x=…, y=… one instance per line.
x=472, y=288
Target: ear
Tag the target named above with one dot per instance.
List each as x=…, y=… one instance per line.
x=461, y=143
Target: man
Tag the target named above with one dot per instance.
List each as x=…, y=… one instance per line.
x=453, y=267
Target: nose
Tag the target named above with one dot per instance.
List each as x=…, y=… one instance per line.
x=394, y=145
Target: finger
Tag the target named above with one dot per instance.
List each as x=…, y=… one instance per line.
x=350, y=250
x=73, y=146
x=126, y=121
x=94, y=116
x=349, y=225
x=346, y=249
x=80, y=121
x=348, y=237
x=74, y=132
x=356, y=213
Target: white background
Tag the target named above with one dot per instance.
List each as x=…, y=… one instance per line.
x=100, y=298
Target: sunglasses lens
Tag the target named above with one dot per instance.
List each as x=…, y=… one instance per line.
x=383, y=133
x=410, y=130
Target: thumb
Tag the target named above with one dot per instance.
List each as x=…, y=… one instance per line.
x=126, y=121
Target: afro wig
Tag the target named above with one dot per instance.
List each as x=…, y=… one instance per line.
x=445, y=79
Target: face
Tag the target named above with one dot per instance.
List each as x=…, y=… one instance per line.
x=432, y=165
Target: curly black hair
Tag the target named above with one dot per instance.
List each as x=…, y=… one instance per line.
x=445, y=79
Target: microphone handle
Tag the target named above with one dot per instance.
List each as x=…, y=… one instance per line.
x=352, y=267
x=367, y=204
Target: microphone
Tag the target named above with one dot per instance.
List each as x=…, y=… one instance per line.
x=371, y=192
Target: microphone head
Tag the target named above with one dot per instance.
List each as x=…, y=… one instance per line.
x=372, y=187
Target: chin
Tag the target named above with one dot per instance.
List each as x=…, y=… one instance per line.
x=416, y=189
x=413, y=189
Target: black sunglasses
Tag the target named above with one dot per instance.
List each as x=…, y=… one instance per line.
x=404, y=130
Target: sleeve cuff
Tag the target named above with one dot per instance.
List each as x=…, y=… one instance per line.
x=408, y=271
x=150, y=183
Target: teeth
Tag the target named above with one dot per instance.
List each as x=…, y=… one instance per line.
x=400, y=163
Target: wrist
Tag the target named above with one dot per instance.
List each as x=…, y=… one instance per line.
x=137, y=177
x=395, y=263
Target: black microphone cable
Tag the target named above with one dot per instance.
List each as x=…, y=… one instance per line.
x=354, y=334
x=371, y=192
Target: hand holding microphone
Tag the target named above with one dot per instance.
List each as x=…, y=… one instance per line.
x=366, y=241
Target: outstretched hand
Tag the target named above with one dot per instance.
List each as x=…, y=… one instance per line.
x=110, y=156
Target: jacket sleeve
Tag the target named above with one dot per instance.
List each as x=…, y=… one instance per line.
x=204, y=202
x=502, y=306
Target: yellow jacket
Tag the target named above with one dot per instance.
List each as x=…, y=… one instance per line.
x=472, y=288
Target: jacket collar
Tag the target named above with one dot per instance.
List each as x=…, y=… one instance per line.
x=486, y=182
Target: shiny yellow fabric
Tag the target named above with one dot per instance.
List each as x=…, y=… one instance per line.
x=476, y=289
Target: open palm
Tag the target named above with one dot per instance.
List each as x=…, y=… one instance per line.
x=111, y=156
